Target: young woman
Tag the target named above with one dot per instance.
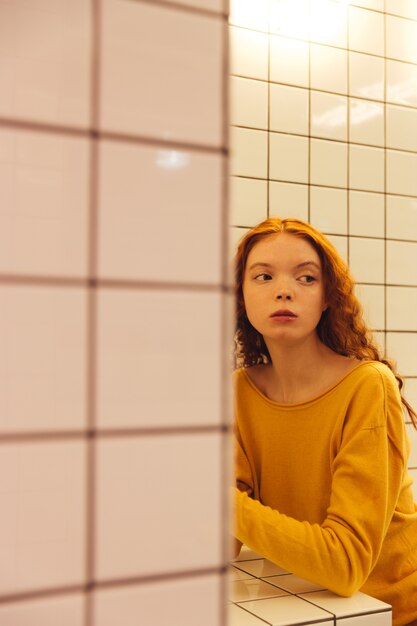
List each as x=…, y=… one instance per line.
x=322, y=487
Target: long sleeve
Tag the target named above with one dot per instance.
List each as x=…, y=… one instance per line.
x=367, y=472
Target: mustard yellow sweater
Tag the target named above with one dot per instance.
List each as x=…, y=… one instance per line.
x=323, y=489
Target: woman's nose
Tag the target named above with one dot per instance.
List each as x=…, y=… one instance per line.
x=283, y=294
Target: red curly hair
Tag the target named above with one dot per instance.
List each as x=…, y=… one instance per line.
x=341, y=326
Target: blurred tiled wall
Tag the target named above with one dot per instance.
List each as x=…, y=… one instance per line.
x=115, y=310
x=324, y=128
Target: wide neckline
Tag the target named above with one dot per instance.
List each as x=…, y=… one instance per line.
x=304, y=402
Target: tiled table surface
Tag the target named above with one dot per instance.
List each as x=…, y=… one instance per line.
x=262, y=593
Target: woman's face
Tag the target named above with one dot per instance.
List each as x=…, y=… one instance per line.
x=283, y=273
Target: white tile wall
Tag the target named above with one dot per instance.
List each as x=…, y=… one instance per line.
x=113, y=192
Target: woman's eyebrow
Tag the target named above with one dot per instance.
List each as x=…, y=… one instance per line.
x=298, y=266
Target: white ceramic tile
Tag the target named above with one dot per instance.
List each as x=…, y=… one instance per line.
x=366, y=122
x=250, y=15
x=340, y=243
x=346, y=607
x=366, y=168
x=401, y=128
x=248, y=152
x=402, y=347
x=293, y=583
x=328, y=209
x=373, y=302
x=129, y=380
x=401, y=169
x=65, y=611
x=404, y=8
x=401, y=39
x=286, y=610
x=260, y=568
x=45, y=67
x=289, y=61
x=401, y=263
x=235, y=574
x=289, y=109
x=289, y=18
x=371, y=619
x=43, y=203
x=366, y=214
x=288, y=200
x=328, y=163
x=184, y=601
x=401, y=217
x=253, y=589
x=235, y=235
x=366, y=76
x=379, y=341
x=43, y=515
x=161, y=471
x=412, y=436
x=328, y=115
x=366, y=259
x=237, y=616
x=329, y=23
x=378, y=5
x=43, y=358
x=158, y=190
x=161, y=72
x=401, y=308
x=248, y=53
x=248, y=201
x=401, y=83
x=366, y=31
x=328, y=68
x=246, y=554
x=288, y=158
x=248, y=102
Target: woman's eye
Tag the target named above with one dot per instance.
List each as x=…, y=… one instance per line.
x=267, y=275
x=307, y=279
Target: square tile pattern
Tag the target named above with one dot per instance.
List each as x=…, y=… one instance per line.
x=264, y=593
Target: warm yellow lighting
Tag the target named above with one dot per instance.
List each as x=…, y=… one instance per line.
x=290, y=18
x=250, y=14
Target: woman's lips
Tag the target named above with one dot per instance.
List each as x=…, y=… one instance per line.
x=284, y=315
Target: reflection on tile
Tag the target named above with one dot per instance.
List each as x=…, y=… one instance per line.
x=335, y=61
x=328, y=163
x=293, y=584
x=401, y=128
x=366, y=214
x=371, y=619
x=401, y=83
x=43, y=516
x=366, y=76
x=401, y=39
x=248, y=152
x=286, y=610
x=328, y=115
x=43, y=203
x=289, y=109
x=253, y=589
x=329, y=23
x=151, y=55
x=247, y=201
x=236, y=574
x=128, y=383
x=328, y=209
x=289, y=61
x=402, y=347
x=345, y=607
x=288, y=200
x=288, y=160
x=45, y=67
x=366, y=31
x=401, y=263
x=366, y=259
x=248, y=53
x=260, y=568
x=237, y=616
x=366, y=168
x=401, y=308
x=401, y=173
x=248, y=102
x=156, y=191
x=67, y=610
x=289, y=18
x=43, y=358
x=246, y=554
x=186, y=601
x=366, y=122
x=192, y=539
x=372, y=300
x=404, y=8
x=248, y=14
